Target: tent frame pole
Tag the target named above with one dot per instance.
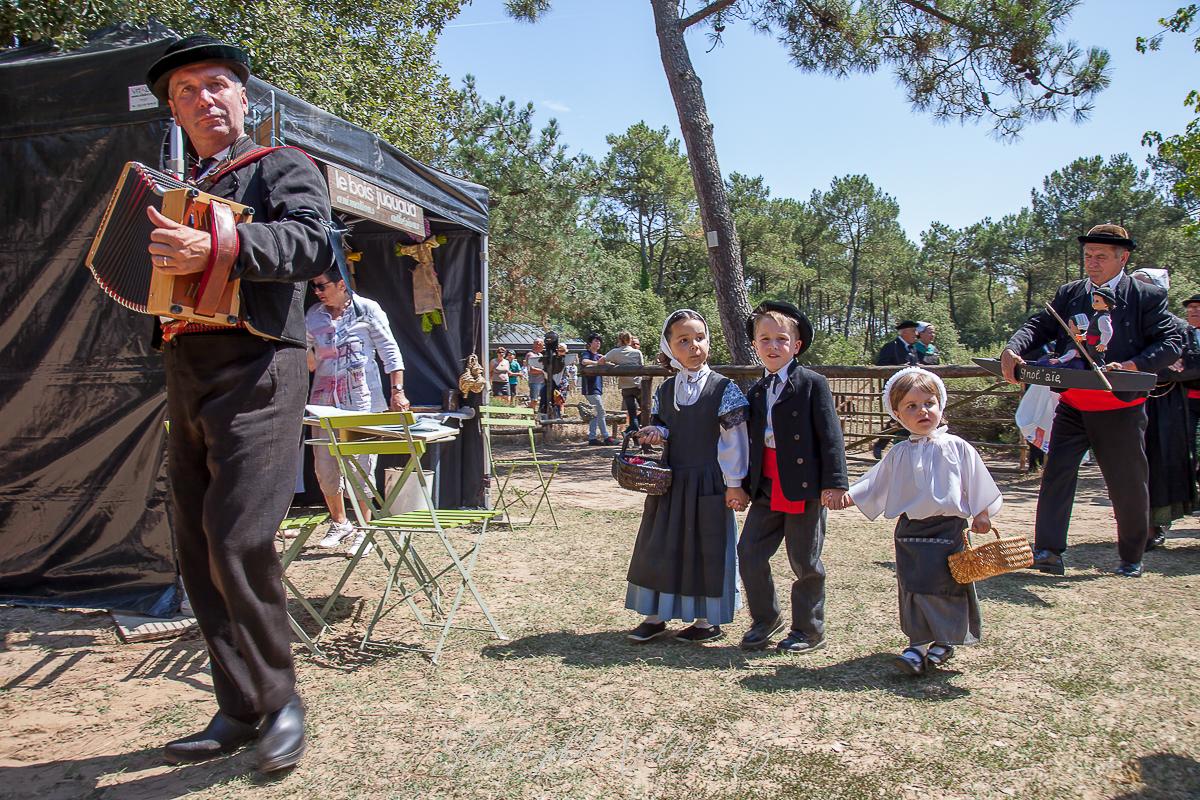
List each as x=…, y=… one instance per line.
x=484, y=331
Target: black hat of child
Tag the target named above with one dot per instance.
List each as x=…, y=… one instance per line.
x=788, y=310
x=908, y=323
x=192, y=50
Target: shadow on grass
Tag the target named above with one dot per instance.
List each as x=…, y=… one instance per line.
x=70, y=778
x=867, y=673
x=1180, y=557
x=611, y=648
x=1018, y=587
x=1165, y=776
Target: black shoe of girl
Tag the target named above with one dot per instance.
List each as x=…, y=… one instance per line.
x=647, y=631
x=939, y=654
x=910, y=662
x=797, y=643
x=1158, y=538
x=698, y=635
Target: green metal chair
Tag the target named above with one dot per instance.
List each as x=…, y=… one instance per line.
x=303, y=524
x=510, y=494
x=411, y=580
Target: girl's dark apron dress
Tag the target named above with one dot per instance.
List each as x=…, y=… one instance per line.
x=933, y=606
x=684, y=561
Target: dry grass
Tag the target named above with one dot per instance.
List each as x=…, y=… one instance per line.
x=1085, y=686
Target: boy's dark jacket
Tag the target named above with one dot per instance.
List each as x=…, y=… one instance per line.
x=808, y=436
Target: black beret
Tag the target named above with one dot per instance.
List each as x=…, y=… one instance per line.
x=907, y=323
x=192, y=50
x=788, y=310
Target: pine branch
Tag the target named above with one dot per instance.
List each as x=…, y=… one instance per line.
x=933, y=12
x=704, y=13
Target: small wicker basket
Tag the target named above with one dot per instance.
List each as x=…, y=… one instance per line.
x=639, y=473
x=1003, y=554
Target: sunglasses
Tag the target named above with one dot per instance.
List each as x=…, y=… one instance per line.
x=320, y=287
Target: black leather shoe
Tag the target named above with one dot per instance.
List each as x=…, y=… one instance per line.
x=1048, y=561
x=798, y=643
x=281, y=740
x=1158, y=537
x=1128, y=570
x=760, y=633
x=223, y=735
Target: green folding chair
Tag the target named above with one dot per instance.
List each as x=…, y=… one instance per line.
x=303, y=524
x=411, y=581
x=510, y=494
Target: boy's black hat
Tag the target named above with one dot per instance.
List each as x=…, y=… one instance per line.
x=192, y=50
x=788, y=310
x=906, y=323
x=1193, y=299
x=1107, y=293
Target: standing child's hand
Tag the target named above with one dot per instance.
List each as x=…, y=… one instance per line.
x=982, y=523
x=835, y=499
x=736, y=498
x=650, y=435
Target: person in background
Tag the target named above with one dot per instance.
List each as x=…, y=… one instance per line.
x=514, y=376
x=1191, y=360
x=344, y=333
x=926, y=352
x=631, y=387
x=593, y=392
x=535, y=373
x=498, y=375
x=896, y=353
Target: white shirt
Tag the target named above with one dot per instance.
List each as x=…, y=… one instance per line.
x=773, y=393
x=928, y=476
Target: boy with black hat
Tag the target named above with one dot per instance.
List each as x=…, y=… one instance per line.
x=797, y=470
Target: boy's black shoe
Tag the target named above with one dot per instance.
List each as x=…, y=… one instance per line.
x=594, y=442
x=760, y=633
x=647, y=631
x=1049, y=562
x=939, y=654
x=1128, y=570
x=1158, y=537
x=697, y=635
x=798, y=643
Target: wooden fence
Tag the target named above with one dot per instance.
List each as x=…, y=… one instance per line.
x=980, y=408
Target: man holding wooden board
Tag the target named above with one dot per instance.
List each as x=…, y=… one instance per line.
x=1111, y=424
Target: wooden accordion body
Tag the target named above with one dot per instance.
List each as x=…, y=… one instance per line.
x=120, y=262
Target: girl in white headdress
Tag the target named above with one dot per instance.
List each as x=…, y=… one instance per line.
x=684, y=560
x=933, y=482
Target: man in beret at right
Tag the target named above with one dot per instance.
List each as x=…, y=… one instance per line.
x=1112, y=425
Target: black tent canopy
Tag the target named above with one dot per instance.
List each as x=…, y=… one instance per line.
x=83, y=513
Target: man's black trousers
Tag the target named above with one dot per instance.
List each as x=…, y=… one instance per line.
x=1117, y=440
x=803, y=535
x=235, y=403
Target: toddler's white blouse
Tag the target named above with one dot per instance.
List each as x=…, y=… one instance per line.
x=928, y=476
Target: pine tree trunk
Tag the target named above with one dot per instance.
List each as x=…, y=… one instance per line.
x=723, y=260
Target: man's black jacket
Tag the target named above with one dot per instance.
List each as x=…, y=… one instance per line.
x=808, y=436
x=286, y=244
x=1144, y=332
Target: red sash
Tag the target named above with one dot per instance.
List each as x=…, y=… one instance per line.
x=1096, y=400
x=1193, y=394
x=778, y=501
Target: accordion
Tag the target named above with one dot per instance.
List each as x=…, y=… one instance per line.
x=120, y=262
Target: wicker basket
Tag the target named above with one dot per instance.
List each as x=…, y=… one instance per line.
x=1004, y=554
x=638, y=473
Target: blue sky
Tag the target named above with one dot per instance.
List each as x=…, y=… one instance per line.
x=594, y=66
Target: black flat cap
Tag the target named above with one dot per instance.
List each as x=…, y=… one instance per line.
x=788, y=310
x=192, y=50
x=1108, y=234
x=906, y=323
x=1193, y=299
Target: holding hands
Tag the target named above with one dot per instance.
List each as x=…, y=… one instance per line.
x=736, y=498
x=836, y=499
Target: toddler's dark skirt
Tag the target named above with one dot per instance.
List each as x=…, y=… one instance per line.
x=933, y=606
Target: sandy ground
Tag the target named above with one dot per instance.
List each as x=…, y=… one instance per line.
x=1050, y=706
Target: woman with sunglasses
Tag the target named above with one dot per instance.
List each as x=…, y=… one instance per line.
x=346, y=331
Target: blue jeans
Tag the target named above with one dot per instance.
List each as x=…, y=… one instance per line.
x=597, y=427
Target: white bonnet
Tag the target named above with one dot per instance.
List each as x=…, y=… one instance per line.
x=887, y=389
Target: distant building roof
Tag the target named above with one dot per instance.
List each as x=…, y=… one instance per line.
x=520, y=336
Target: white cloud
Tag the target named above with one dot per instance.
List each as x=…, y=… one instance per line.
x=554, y=105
